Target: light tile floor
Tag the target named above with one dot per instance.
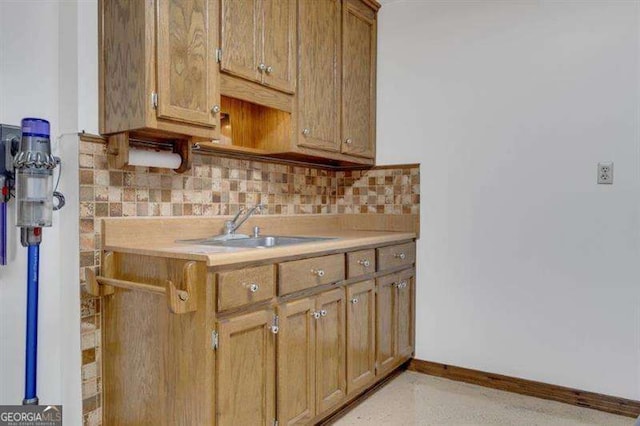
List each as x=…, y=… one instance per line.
x=417, y=399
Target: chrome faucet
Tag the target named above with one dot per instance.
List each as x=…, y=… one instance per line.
x=231, y=226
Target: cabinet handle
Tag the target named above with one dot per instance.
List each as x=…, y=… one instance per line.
x=262, y=67
x=354, y=300
x=400, y=256
x=269, y=69
x=315, y=315
x=318, y=272
x=348, y=141
x=215, y=109
x=364, y=262
x=306, y=131
x=323, y=313
x=254, y=287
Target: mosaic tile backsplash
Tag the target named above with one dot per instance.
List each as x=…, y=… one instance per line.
x=214, y=186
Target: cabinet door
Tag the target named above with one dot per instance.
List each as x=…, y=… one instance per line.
x=241, y=38
x=331, y=386
x=187, y=76
x=406, y=308
x=318, y=91
x=296, y=361
x=386, y=323
x=361, y=327
x=246, y=370
x=358, y=79
x=279, y=44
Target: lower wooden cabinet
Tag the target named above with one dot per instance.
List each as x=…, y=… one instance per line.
x=331, y=384
x=246, y=370
x=297, y=351
x=311, y=344
x=395, y=309
x=361, y=335
x=288, y=357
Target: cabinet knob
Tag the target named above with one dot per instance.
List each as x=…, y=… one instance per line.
x=261, y=67
x=354, y=300
x=215, y=109
x=402, y=284
x=315, y=315
x=348, y=141
x=323, y=313
x=306, y=131
x=318, y=272
x=400, y=256
x=364, y=262
x=269, y=69
x=253, y=288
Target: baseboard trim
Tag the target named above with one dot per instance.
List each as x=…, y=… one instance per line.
x=596, y=401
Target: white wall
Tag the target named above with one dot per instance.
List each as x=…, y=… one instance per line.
x=36, y=79
x=526, y=266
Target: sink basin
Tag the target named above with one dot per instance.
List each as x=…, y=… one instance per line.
x=263, y=241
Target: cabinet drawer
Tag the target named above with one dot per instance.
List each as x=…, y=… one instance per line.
x=396, y=256
x=361, y=262
x=301, y=274
x=244, y=286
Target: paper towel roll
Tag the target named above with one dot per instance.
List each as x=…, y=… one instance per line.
x=161, y=159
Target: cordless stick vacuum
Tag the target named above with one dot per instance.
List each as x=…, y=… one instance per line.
x=34, y=164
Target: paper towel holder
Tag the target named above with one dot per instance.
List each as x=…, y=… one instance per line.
x=118, y=146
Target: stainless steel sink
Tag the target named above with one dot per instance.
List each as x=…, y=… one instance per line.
x=263, y=241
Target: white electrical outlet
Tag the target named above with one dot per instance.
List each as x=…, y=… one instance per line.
x=605, y=173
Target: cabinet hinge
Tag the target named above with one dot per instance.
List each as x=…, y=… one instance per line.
x=214, y=339
x=154, y=99
x=218, y=55
x=275, y=325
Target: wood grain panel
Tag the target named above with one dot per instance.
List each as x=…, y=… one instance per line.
x=318, y=91
x=406, y=312
x=249, y=91
x=124, y=92
x=386, y=323
x=596, y=401
x=358, y=79
x=280, y=44
x=296, y=361
x=186, y=65
x=301, y=274
x=235, y=287
x=331, y=386
x=241, y=38
x=361, y=262
x=143, y=386
x=396, y=256
x=361, y=329
x=246, y=370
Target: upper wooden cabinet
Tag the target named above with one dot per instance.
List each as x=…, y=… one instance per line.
x=318, y=97
x=296, y=79
x=258, y=41
x=157, y=67
x=358, y=79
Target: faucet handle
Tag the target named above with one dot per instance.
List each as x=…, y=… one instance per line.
x=240, y=211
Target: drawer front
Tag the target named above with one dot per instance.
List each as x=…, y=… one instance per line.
x=302, y=274
x=245, y=286
x=361, y=262
x=396, y=256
